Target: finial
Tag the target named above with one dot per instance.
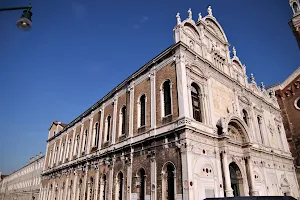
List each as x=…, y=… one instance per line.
x=178, y=18
x=272, y=93
x=199, y=17
x=234, y=52
x=262, y=86
x=252, y=78
x=190, y=13
x=209, y=10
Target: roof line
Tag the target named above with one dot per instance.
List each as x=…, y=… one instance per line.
x=122, y=84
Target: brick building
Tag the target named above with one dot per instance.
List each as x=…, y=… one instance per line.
x=186, y=125
x=288, y=97
x=25, y=183
x=295, y=21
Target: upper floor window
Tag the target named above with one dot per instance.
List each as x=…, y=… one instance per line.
x=85, y=140
x=96, y=134
x=122, y=121
x=259, y=121
x=77, y=144
x=107, y=127
x=54, y=132
x=167, y=98
x=245, y=116
x=196, y=102
x=142, y=111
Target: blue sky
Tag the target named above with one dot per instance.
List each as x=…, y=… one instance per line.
x=78, y=50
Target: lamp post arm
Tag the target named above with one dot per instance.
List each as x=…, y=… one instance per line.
x=17, y=8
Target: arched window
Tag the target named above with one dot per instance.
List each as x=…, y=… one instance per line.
x=119, y=187
x=169, y=182
x=142, y=183
x=245, y=116
x=80, y=189
x=91, y=187
x=85, y=140
x=142, y=110
x=96, y=134
x=77, y=144
x=70, y=189
x=259, y=121
x=62, y=151
x=122, y=121
x=50, y=158
x=107, y=127
x=196, y=102
x=295, y=8
x=69, y=148
x=167, y=98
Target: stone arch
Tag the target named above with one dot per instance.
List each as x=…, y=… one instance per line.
x=238, y=123
x=214, y=25
x=196, y=68
x=201, y=164
x=240, y=181
x=236, y=62
x=189, y=27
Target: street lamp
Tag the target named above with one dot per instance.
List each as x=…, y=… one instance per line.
x=24, y=23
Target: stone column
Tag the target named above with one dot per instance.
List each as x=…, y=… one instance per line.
x=187, y=175
x=46, y=192
x=84, y=188
x=80, y=138
x=153, y=99
x=66, y=188
x=101, y=126
x=131, y=108
x=115, y=116
x=228, y=189
x=129, y=176
x=219, y=171
x=252, y=188
x=90, y=136
x=58, y=152
x=74, y=196
x=96, y=183
x=41, y=192
x=210, y=101
x=111, y=178
x=153, y=186
x=182, y=85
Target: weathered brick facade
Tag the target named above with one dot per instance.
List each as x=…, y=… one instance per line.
x=288, y=94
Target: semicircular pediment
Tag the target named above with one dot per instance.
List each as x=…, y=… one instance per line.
x=215, y=27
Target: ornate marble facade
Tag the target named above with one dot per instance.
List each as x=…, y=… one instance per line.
x=187, y=125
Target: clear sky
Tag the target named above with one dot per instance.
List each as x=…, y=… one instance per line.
x=78, y=50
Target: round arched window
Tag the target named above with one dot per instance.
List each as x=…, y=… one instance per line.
x=297, y=103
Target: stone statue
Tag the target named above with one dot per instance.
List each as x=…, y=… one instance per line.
x=252, y=78
x=262, y=86
x=178, y=18
x=209, y=10
x=199, y=17
x=234, y=51
x=190, y=13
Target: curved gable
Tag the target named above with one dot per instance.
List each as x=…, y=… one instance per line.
x=215, y=27
x=191, y=30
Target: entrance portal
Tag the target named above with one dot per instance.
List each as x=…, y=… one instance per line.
x=236, y=180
